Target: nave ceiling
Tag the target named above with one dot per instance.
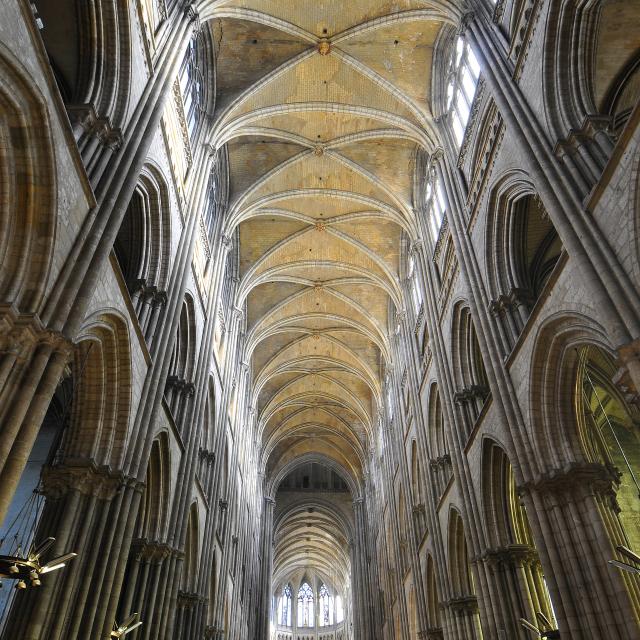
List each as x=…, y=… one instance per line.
x=323, y=107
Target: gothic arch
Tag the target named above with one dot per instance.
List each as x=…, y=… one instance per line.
x=143, y=245
x=191, y=551
x=143, y=242
x=468, y=366
x=154, y=508
x=27, y=189
x=416, y=475
x=522, y=248
x=89, y=48
x=556, y=439
x=461, y=577
x=576, y=457
x=179, y=387
x=592, y=66
x=512, y=555
x=437, y=436
x=433, y=600
x=440, y=459
x=101, y=406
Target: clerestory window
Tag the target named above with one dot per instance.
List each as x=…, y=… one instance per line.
x=435, y=204
x=414, y=284
x=191, y=79
x=464, y=72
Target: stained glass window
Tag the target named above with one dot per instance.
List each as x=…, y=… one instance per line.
x=326, y=607
x=305, y=605
x=285, y=607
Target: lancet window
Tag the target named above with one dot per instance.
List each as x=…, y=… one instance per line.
x=191, y=81
x=436, y=205
x=464, y=72
x=413, y=282
x=305, y=605
x=284, y=616
x=326, y=607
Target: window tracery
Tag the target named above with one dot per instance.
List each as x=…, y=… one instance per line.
x=464, y=72
x=284, y=616
x=191, y=80
x=436, y=205
x=305, y=605
x=326, y=607
x=414, y=284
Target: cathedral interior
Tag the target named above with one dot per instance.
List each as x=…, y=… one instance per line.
x=320, y=319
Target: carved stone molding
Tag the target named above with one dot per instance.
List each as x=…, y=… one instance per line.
x=575, y=476
x=87, y=478
x=464, y=605
x=20, y=334
x=514, y=554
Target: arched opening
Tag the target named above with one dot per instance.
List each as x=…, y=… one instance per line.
x=147, y=555
x=189, y=596
x=470, y=374
x=27, y=191
x=440, y=460
x=179, y=388
x=89, y=49
x=142, y=249
x=433, y=601
x=78, y=478
x=609, y=433
x=305, y=616
x=417, y=491
x=523, y=248
x=21, y=523
x=311, y=579
x=576, y=449
x=514, y=560
x=285, y=607
x=465, y=602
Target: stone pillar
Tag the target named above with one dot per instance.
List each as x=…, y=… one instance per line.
x=364, y=603
x=32, y=361
x=578, y=516
x=266, y=566
x=611, y=286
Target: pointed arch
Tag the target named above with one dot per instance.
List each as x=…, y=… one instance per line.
x=468, y=366
x=154, y=508
x=179, y=387
x=101, y=406
x=27, y=189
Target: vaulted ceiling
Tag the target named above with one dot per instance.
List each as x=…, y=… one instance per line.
x=323, y=106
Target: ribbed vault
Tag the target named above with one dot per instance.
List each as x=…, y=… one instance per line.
x=309, y=539
x=323, y=107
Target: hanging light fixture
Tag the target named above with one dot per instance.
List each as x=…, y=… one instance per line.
x=545, y=629
x=29, y=567
x=630, y=555
x=126, y=627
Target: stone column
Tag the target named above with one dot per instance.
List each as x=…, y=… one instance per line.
x=611, y=285
x=577, y=513
x=364, y=605
x=266, y=567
